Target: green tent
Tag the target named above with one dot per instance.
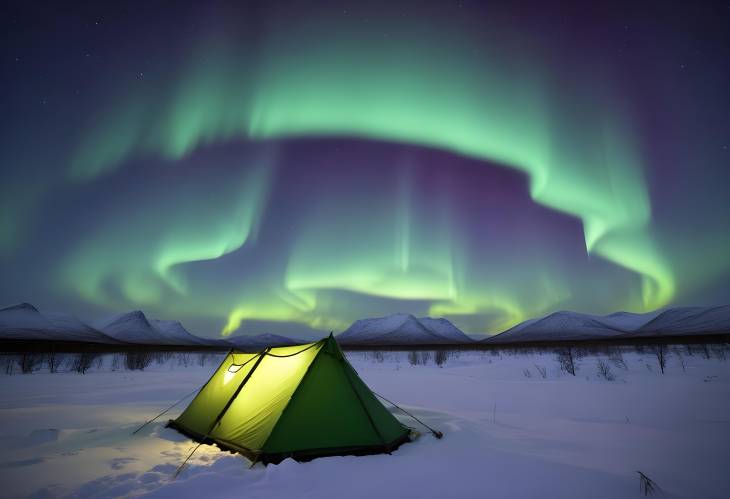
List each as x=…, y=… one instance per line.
x=303, y=402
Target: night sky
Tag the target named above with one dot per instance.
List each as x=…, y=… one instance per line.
x=264, y=167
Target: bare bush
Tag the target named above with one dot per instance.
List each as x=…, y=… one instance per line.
x=660, y=351
x=183, y=359
x=416, y=358
x=705, y=351
x=566, y=360
x=618, y=359
x=440, y=357
x=30, y=362
x=53, y=360
x=137, y=361
x=10, y=365
x=162, y=358
x=604, y=371
x=527, y=373
x=82, y=362
x=207, y=357
x=719, y=352
x=679, y=356
x=542, y=371
x=413, y=358
x=646, y=485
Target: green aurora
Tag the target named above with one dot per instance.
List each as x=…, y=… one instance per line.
x=372, y=240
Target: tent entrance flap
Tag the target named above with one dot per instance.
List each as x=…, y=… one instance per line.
x=303, y=402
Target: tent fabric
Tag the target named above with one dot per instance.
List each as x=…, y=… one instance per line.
x=304, y=401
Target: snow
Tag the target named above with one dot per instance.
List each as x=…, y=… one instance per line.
x=132, y=327
x=401, y=329
x=689, y=320
x=508, y=432
x=444, y=327
x=567, y=325
x=627, y=321
x=559, y=326
x=25, y=322
x=176, y=333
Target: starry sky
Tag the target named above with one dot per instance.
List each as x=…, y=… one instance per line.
x=285, y=167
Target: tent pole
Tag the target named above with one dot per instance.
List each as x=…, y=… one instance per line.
x=223, y=412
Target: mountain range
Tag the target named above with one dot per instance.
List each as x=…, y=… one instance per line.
x=24, y=322
x=565, y=325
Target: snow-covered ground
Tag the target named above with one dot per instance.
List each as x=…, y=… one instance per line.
x=508, y=431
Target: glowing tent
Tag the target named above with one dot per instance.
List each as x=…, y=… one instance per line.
x=303, y=402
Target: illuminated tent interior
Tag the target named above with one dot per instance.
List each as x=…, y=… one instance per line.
x=303, y=402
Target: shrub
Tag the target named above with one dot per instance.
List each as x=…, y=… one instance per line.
x=604, y=371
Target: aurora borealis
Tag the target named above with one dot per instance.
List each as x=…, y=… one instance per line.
x=275, y=167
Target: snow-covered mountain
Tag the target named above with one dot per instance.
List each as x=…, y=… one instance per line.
x=688, y=320
x=71, y=327
x=175, y=333
x=132, y=327
x=627, y=321
x=444, y=328
x=261, y=341
x=565, y=325
x=24, y=322
x=401, y=329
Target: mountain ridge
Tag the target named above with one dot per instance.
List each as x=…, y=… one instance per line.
x=24, y=322
x=402, y=329
x=566, y=325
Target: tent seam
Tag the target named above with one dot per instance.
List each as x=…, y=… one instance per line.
x=294, y=393
x=236, y=393
x=345, y=365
